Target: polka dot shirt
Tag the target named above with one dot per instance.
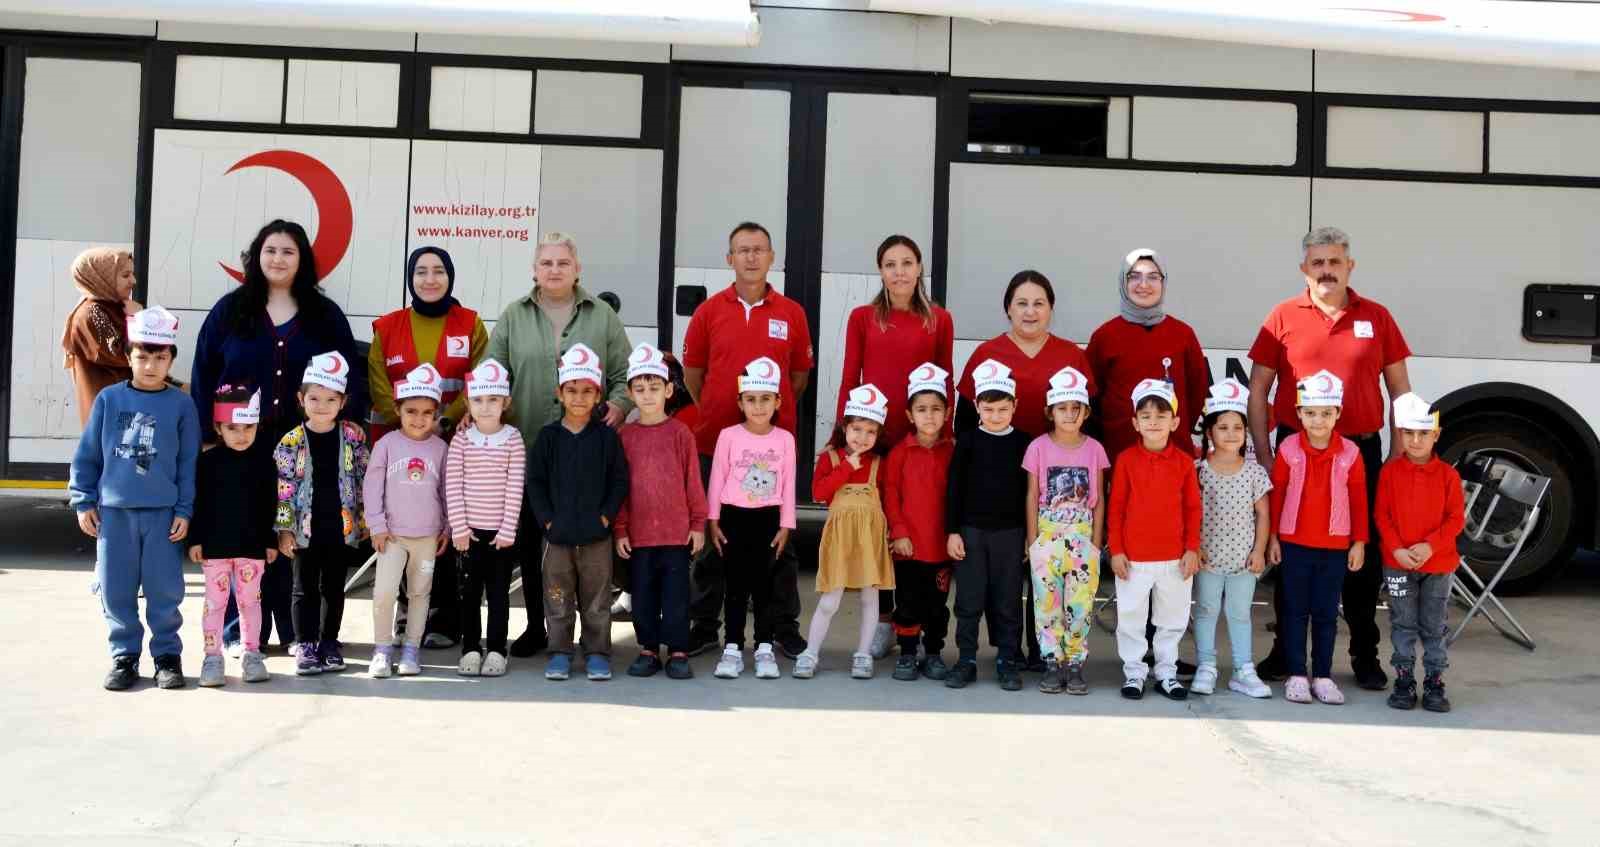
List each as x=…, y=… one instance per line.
x=1228, y=528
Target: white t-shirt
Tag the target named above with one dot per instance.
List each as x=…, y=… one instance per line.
x=1228, y=525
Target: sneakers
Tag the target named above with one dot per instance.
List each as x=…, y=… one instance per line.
x=678, y=667
x=211, y=672
x=332, y=657
x=934, y=667
x=1246, y=682
x=530, y=643
x=559, y=667
x=766, y=662
x=382, y=666
x=882, y=640
x=1326, y=692
x=255, y=667
x=1297, y=690
x=699, y=642
x=905, y=667
x=1075, y=683
x=1205, y=680
x=409, y=664
x=805, y=667
x=648, y=664
x=1172, y=689
x=306, y=660
x=1010, y=675
x=597, y=667
x=1273, y=668
x=792, y=644
x=1133, y=688
x=861, y=666
x=471, y=664
x=731, y=664
x=494, y=664
x=962, y=674
x=1369, y=674
x=169, y=671
x=1433, y=698
x=123, y=674
x=1053, y=682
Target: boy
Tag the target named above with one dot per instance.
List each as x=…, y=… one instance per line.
x=133, y=488
x=577, y=479
x=662, y=524
x=1420, y=514
x=1153, y=533
x=985, y=516
x=914, y=481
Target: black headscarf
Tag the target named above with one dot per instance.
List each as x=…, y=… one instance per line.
x=442, y=306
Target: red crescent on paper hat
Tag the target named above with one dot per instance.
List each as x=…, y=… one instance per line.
x=583, y=357
x=923, y=373
x=766, y=369
x=428, y=376
x=987, y=370
x=497, y=374
x=872, y=398
x=333, y=366
x=1233, y=390
x=1327, y=383
x=1072, y=377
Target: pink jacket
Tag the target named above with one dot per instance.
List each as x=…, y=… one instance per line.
x=1292, y=451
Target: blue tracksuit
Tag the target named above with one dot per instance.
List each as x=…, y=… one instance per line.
x=135, y=464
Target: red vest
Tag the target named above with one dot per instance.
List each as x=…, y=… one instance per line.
x=453, y=358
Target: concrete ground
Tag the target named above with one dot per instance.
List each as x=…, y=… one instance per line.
x=437, y=759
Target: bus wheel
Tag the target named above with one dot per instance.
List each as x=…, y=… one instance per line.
x=1520, y=443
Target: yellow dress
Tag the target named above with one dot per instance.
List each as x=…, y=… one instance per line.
x=855, y=540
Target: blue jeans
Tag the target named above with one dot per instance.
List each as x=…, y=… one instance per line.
x=1311, y=583
x=659, y=582
x=1418, y=604
x=133, y=552
x=1231, y=595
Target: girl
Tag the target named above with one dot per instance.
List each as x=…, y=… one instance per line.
x=1233, y=541
x=750, y=512
x=854, y=551
x=483, y=492
x=404, y=493
x=1066, y=472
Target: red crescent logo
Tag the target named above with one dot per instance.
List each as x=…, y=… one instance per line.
x=583, y=358
x=335, y=218
x=334, y=365
x=872, y=398
x=495, y=370
x=428, y=377
x=923, y=373
x=767, y=370
x=1400, y=17
x=987, y=370
x=1233, y=390
x=1326, y=383
x=1072, y=380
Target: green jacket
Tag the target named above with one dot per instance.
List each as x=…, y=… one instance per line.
x=523, y=340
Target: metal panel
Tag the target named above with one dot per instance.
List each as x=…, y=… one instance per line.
x=1363, y=74
x=228, y=88
x=80, y=141
x=1565, y=145
x=347, y=93
x=481, y=99
x=733, y=165
x=579, y=103
x=1405, y=139
x=1237, y=132
x=878, y=179
x=275, y=36
x=838, y=39
x=609, y=200
x=73, y=23
x=541, y=48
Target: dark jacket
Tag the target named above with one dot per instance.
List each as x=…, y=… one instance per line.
x=576, y=478
x=987, y=488
x=236, y=499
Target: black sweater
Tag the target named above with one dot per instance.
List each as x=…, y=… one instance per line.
x=236, y=499
x=987, y=488
x=576, y=478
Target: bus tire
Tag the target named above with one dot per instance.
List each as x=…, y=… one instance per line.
x=1525, y=444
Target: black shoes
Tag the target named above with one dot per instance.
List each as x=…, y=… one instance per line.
x=646, y=665
x=1404, y=695
x=1433, y=698
x=1172, y=689
x=905, y=667
x=1053, y=682
x=1369, y=674
x=960, y=676
x=123, y=674
x=1185, y=669
x=934, y=667
x=1010, y=676
x=1273, y=668
x=791, y=644
x=678, y=667
x=1075, y=683
x=169, y=672
x=530, y=643
x=1133, y=689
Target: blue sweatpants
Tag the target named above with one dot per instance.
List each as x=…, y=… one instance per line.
x=132, y=553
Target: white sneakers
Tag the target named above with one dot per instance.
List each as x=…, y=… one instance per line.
x=494, y=664
x=382, y=666
x=731, y=664
x=861, y=666
x=211, y=672
x=766, y=662
x=471, y=664
x=1205, y=680
x=805, y=667
x=255, y=668
x=1246, y=682
x=882, y=640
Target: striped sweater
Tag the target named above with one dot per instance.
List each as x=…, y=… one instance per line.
x=483, y=481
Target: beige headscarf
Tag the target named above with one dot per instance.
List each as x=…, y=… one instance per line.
x=94, y=274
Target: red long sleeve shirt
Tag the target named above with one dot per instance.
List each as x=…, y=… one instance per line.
x=665, y=498
x=1316, y=500
x=827, y=478
x=886, y=357
x=1421, y=503
x=1121, y=353
x=914, y=481
x=1154, y=514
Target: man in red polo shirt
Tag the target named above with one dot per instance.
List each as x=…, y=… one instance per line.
x=743, y=322
x=1330, y=326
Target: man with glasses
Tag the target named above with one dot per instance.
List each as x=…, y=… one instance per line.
x=1329, y=326
x=743, y=322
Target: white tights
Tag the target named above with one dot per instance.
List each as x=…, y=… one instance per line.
x=827, y=605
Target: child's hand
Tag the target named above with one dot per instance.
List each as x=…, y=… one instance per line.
x=717, y=538
x=1204, y=559
x=1422, y=553
x=1404, y=559
x=197, y=555
x=1258, y=562
x=624, y=547
x=286, y=544
x=272, y=555
x=380, y=540
x=904, y=548
x=89, y=522
x=697, y=541
x=1119, y=566
x=955, y=547
x=180, y=528
x=1189, y=563
x=780, y=539
x=442, y=545
x=462, y=543
x=1274, y=552
x=501, y=542
x=1358, y=555
x=605, y=521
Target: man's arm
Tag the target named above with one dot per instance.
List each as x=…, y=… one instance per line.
x=1261, y=379
x=694, y=379
x=799, y=379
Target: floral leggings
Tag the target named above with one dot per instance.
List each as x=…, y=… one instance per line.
x=247, y=574
x=1066, y=574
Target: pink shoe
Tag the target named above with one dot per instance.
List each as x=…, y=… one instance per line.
x=1326, y=692
x=1297, y=690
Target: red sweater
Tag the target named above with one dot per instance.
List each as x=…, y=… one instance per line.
x=1418, y=503
x=665, y=498
x=914, y=481
x=1122, y=353
x=1154, y=515
x=827, y=478
x=1032, y=375
x=1316, y=500
x=886, y=358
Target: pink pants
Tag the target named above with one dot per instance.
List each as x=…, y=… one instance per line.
x=247, y=574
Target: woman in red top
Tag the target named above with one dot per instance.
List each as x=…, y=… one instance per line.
x=900, y=329
x=1030, y=350
x=1144, y=342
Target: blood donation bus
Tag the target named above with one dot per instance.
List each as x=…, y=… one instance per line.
x=1458, y=143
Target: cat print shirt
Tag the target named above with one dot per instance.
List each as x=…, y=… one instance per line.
x=752, y=471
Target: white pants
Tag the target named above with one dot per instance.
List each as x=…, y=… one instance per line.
x=1171, y=589
x=412, y=557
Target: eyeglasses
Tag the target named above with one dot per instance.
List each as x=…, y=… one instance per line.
x=749, y=252
x=1156, y=277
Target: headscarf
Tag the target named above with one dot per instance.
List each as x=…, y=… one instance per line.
x=1132, y=311
x=439, y=308
x=94, y=274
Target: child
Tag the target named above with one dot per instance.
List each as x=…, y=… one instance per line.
x=914, y=479
x=404, y=496
x=1233, y=541
x=749, y=513
x=663, y=522
x=577, y=479
x=1066, y=473
x=133, y=489
x=985, y=519
x=1319, y=509
x=853, y=553
x=232, y=537
x=1153, y=533
x=483, y=492
x=1419, y=516
x=321, y=465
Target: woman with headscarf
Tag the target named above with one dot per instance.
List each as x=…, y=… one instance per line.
x=435, y=329
x=95, y=338
x=1144, y=342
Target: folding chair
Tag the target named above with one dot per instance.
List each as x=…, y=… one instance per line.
x=356, y=577
x=1514, y=489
